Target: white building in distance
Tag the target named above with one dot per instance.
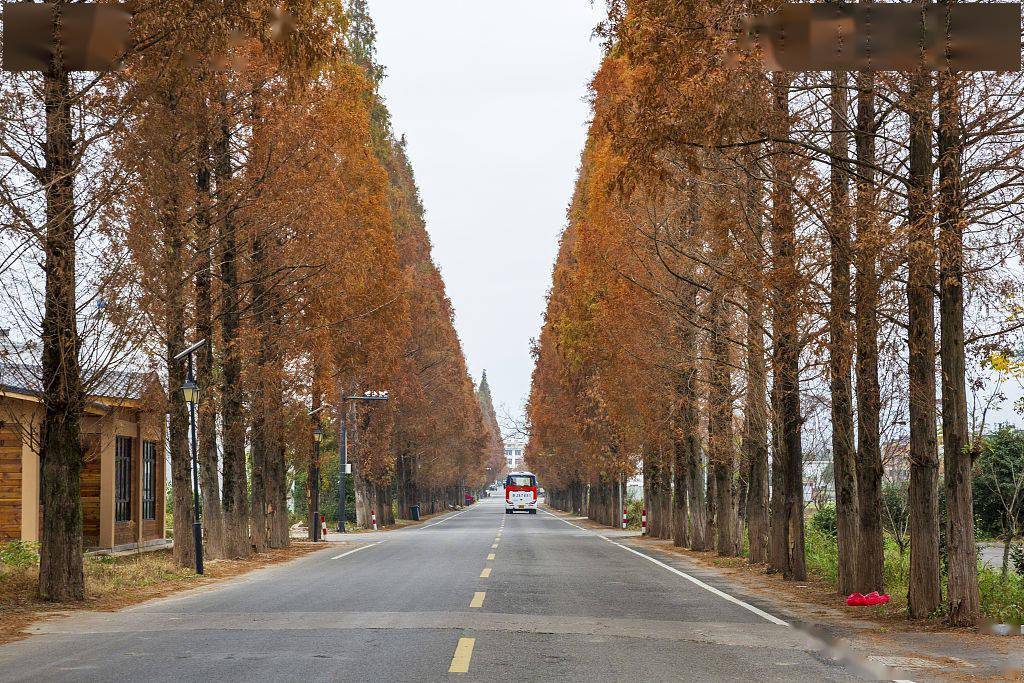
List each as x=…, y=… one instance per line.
x=514, y=451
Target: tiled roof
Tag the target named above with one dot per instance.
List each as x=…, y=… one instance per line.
x=113, y=384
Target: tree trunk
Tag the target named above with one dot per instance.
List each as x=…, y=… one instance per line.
x=787, y=333
x=778, y=531
x=277, y=468
x=962, y=562
x=1007, y=542
x=844, y=455
x=61, y=576
x=365, y=502
x=236, y=499
x=682, y=443
x=870, y=549
x=209, y=471
x=711, y=507
x=924, y=592
x=755, y=439
x=266, y=386
x=689, y=514
x=178, y=418
x=755, y=414
x=658, y=485
x=720, y=437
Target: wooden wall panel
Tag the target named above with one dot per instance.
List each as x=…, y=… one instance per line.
x=10, y=484
x=90, y=492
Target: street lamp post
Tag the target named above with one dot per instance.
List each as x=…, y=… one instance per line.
x=318, y=436
x=343, y=468
x=343, y=450
x=190, y=392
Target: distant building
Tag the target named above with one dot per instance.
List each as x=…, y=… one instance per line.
x=514, y=455
x=819, y=483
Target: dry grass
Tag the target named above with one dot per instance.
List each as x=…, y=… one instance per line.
x=115, y=582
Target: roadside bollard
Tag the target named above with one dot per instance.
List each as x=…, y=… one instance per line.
x=643, y=523
x=624, y=514
x=373, y=518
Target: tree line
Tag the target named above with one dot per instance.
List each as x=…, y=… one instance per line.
x=236, y=180
x=758, y=265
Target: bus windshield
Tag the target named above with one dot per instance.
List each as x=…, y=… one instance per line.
x=521, y=480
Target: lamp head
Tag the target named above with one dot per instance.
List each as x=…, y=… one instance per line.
x=190, y=391
x=318, y=434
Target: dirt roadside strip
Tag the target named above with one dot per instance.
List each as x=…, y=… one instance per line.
x=925, y=650
x=113, y=583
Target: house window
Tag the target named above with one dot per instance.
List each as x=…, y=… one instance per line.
x=123, y=479
x=148, y=480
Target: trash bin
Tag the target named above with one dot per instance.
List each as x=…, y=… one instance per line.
x=415, y=510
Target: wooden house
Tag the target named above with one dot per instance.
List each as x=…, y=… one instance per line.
x=123, y=478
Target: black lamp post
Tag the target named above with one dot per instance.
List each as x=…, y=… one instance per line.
x=190, y=392
x=318, y=436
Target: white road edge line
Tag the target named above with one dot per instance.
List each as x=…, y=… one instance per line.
x=697, y=582
x=761, y=613
x=711, y=589
x=356, y=550
x=445, y=519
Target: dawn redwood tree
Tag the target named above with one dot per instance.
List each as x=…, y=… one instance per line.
x=60, y=567
x=844, y=449
x=720, y=408
x=924, y=591
x=156, y=216
x=867, y=282
x=495, y=446
x=787, y=342
x=958, y=453
x=755, y=412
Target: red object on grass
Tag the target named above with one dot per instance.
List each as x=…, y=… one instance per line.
x=871, y=599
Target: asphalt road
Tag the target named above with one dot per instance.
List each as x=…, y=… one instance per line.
x=475, y=595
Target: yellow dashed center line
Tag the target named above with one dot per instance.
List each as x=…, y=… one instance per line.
x=478, y=599
x=463, y=654
x=490, y=556
x=486, y=573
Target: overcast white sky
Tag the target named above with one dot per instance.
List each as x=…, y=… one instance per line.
x=491, y=94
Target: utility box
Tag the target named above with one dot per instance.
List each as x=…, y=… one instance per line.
x=415, y=512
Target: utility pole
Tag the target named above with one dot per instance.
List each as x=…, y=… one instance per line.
x=343, y=449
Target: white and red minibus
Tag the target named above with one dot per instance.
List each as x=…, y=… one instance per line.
x=521, y=492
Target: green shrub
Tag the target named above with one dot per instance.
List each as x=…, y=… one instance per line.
x=1001, y=601
x=824, y=520
x=19, y=554
x=895, y=569
x=822, y=552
